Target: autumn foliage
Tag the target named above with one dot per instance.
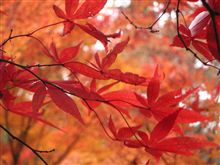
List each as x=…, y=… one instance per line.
x=87, y=82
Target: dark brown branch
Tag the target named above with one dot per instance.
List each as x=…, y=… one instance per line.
x=184, y=44
x=19, y=146
x=43, y=65
x=54, y=85
x=213, y=15
x=99, y=119
x=6, y=117
x=206, y=5
x=150, y=27
x=36, y=152
x=112, y=105
x=45, y=151
x=164, y=11
x=27, y=34
x=22, y=67
x=104, y=101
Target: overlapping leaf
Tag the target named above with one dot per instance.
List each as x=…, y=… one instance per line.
x=38, y=97
x=64, y=102
x=66, y=55
x=162, y=129
x=124, y=132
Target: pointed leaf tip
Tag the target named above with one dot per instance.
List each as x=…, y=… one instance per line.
x=68, y=54
x=153, y=87
x=162, y=129
x=111, y=126
x=110, y=58
x=38, y=98
x=59, y=12
x=64, y=102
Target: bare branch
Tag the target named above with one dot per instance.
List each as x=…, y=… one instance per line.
x=150, y=27
x=27, y=34
x=36, y=152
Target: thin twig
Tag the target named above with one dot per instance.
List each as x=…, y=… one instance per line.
x=99, y=119
x=28, y=34
x=184, y=44
x=43, y=65
x=36, y=152
x=150, y=27
x=213, y=15
x=6, y=117
x=104, y=101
